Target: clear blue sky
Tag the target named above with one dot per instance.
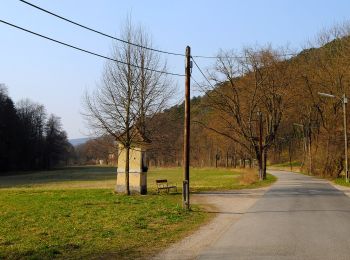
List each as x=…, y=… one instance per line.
x=57, y=76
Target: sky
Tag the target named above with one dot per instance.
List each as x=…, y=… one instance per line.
x=57, y=76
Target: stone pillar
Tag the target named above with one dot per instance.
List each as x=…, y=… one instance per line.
x=137, y=170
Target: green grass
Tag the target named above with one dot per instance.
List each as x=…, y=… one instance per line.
x=206, y=179
x=89, y=223
x=73, y=213
x=341, y=181
x=201, y=179
x=287, y=164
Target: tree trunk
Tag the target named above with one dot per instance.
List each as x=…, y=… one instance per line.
x=226, y=159
x=127, y=169
x=290, y=155
x=260, y=165
x=264, y=163
x=310, y=152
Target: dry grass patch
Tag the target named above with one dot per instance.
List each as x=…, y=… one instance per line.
x=248, y=177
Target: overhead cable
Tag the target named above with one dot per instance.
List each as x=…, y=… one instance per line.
x=99, y=32
x=87, y=51
x=131, y=43
x=200, y=70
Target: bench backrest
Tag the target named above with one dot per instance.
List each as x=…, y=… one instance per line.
x=161, y=181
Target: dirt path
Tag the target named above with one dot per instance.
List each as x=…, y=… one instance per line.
x=228, y=206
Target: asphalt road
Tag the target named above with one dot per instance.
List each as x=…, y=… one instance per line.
x=300, y=217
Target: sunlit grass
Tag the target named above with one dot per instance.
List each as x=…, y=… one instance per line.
x=287, y=164
x=206, y=179
x=342, y=181
x=95, y=177
x=88, y=223
x=74, y=213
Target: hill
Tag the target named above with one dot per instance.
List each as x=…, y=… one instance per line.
x=78, y=141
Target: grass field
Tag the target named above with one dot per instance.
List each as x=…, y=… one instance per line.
x=73, y=213
x=287, y=164
x=341, y=181
x=296, y=166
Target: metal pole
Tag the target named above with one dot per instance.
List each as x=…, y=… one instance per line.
x=186, y=183
x=345, y=101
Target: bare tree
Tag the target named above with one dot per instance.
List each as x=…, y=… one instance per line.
x=249, y=97
x=154, y=89
x=130, y=92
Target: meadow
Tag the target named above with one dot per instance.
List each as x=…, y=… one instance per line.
x=74, y=212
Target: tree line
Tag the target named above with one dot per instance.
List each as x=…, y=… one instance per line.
x=263, y=106
x=29, y=138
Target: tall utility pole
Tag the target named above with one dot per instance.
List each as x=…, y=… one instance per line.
x=261, y=173
x=345, y=101
x=186, y=156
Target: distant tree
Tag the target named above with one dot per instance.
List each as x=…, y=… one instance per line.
x=28, y=140
x=9, y=125
x=101, y=148
x=32, y=118
x=56, y=142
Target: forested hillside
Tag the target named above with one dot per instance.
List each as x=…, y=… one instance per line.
x=297, y=123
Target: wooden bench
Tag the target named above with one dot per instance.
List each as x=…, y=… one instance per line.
x=164, y=185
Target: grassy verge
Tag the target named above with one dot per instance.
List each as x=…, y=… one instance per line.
x=202, y=179
x=296, y=167
x=211, y=179
x=89, y=223
x=295, y=164
x=73, y=213
x=341, y=181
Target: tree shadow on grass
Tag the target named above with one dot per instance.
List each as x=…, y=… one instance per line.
x=90, y=173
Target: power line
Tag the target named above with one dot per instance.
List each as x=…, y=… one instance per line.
x=205, y=77
x=238, y=56
x=196, y=82
x=99, y=32
x=89, y=52
x=135, y=44
x=195, y=63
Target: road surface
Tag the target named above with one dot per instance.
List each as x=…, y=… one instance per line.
x=299, y=217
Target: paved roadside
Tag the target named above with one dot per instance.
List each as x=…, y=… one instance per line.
x=228, y=206
x=299, y=217
x=344, y=189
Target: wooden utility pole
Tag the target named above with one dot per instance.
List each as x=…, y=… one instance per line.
x=186, y=156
